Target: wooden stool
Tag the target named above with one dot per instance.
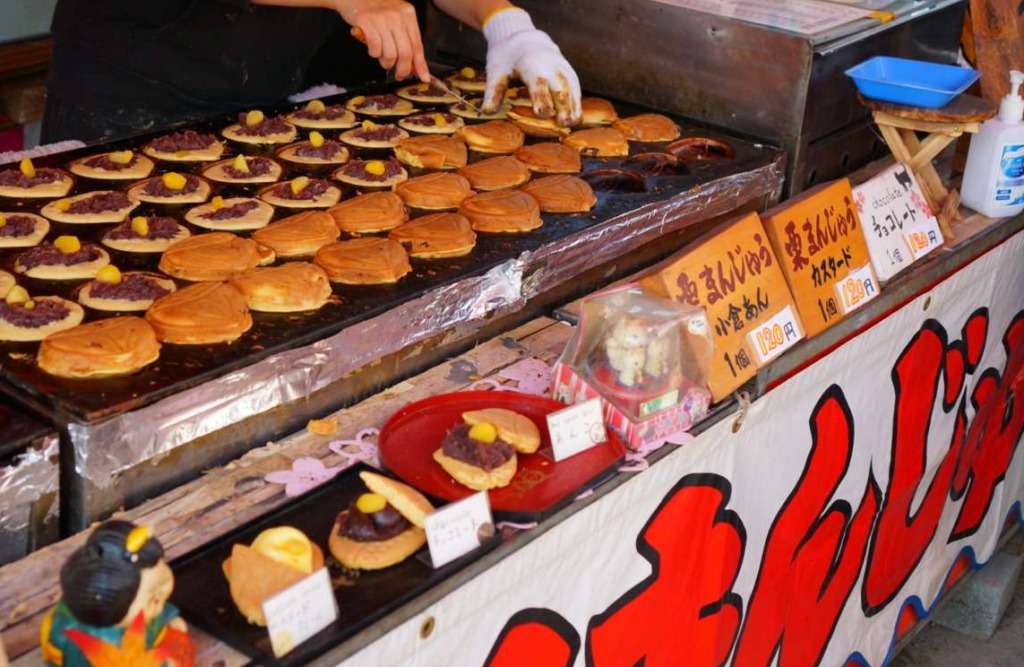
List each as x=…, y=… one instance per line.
x=899, y=125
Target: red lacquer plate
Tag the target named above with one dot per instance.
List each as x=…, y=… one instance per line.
x=540, y=487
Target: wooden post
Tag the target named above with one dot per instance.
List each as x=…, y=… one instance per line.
x=997, y=44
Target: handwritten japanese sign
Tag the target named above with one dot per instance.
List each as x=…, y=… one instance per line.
x=455, y=529
x=300, y=611
x=819, y=240
x=891, y=205
x=576, y=428
x=735, y=276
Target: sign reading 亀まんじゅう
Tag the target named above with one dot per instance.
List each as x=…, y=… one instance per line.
x=820, y=243
x=734, y=275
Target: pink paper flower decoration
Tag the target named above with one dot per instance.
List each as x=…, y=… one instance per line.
x=306, y=474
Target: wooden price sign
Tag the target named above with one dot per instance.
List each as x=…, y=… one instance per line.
x=734, y=275
x=820, y=244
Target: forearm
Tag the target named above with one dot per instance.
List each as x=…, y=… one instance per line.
x=471, y=12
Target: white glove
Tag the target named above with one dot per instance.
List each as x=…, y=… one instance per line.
x=514, y=46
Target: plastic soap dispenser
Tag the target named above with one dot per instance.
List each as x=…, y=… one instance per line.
x=994, y=175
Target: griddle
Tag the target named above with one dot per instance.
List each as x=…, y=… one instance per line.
x=182, y=367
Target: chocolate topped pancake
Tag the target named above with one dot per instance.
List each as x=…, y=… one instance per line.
x=370, y=213
x=254, y=127
x=91, y=207
x=213, y=256
x=648, y=127
x=372, y=173
x=300, y=234
x=435, y=236
x=22, y=230
x=185, y=146
x=318, y=115
x=380, y=105
x=432, y=152
x=434, y=192
x=232, y=214
x=370, y=260
x=302, y=192
x=373, y=135
x=151, y=233
x=26, y=181
x=433, y=122
x=244, y=169
x=114, y=166
x=172, y=188
x=316, y=150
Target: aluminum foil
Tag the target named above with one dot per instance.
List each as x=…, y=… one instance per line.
x=31, y=476
x=102, y=450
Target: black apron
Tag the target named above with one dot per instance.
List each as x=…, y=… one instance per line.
x=121, y=67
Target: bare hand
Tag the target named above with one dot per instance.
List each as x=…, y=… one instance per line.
x=390, y=32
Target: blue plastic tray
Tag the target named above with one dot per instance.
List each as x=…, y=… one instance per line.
x=911, y=82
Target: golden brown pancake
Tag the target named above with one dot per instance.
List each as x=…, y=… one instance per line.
x=267, y=131
x=331, y=117
x=104, y=348
x=504, y=211
x=463, y=110
x=357, y=172
x=196, y=191
x=47, y=182
x=315, y=193
x=303, y=152
x=291, y=287
x=59, y=314
x=80, y=265
x=550, y=158
x=436, y=235
x=496, y=173
x=561, y=194
x=371, y=135
x=473, y=80
x=370, y=213
x=171, y=147
x=432, y=152
x=113, y=166
x=516, y=429
x=212, y=312
x=162, y=233
x=475, y=477
x=598, y=112
x=214, y=256
x=253, y=577
x=299, y=234
x=426, y=93
x=434, y=192
x=648, y=127
x=100, y=206
x=527, y=120
x=598, y=142
x=370, y=260
x=496, y=136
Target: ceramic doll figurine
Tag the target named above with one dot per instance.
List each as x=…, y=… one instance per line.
x=626, y=348
x=113, y=611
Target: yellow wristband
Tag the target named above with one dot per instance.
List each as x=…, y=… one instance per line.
x=491, y=14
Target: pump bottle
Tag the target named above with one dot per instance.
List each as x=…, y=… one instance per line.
x=994, y=176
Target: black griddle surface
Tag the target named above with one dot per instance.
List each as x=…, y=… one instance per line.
x=21, y=429
x=181, y=367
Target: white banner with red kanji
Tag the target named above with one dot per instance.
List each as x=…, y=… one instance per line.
x=847, y=494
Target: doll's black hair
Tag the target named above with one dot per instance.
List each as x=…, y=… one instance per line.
x=100, y=579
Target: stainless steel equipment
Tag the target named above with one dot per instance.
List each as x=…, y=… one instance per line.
x=785, y=88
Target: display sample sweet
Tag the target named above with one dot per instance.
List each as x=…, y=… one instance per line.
x=114, y=606
x=380, y=528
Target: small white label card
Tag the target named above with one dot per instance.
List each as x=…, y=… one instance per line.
x=857, y=289
x=576, y=428
x=300, y=611
x=458, y=528
x=775, y=336
x=923, y=237
x=888, y=206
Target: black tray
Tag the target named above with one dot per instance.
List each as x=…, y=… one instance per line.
x=21, y=429
x=201, y=591
x=182, y=367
